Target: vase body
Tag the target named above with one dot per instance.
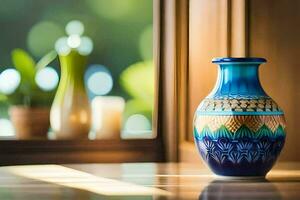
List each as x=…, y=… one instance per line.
x=70, y=115
x=238, y=129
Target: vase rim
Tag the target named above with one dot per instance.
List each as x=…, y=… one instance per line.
x=238, y=60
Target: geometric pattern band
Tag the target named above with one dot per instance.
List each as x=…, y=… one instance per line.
x=239, y=105
x=234, y=122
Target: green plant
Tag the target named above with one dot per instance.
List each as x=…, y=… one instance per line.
x=28, y=93
x=138, y=81
x=2, y=97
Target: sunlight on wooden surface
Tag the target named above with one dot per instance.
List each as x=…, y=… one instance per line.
x=72, y=178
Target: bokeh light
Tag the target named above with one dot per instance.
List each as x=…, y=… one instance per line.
x=103, y=22
x=47, y=79
x=6, y=128
x=75, y=27
x=98, y=80
x=137, y=122
x=146, y=43
x=140, y=106
x=83, y=45
x=9, y=81
x=138, y=80
x=62, y=47
x=42, y=36
x=74, y=41
x=86, y=46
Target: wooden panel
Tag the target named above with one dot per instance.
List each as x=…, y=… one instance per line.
x=189, y=153
x=238, y=28
x=208, y=38
x=167, y=79
x=173, y=74
x=79, y=151
x=275, y=35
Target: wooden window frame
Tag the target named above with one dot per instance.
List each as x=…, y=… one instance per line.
x=13, y=152
x=171, y=119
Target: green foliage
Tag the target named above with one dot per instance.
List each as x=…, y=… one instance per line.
x=4, y=106
x=137, y=106
x=2, y=98
x=138, y=81
x=28, y=93
x=146, y=41
x=42, y=36
x=25, y=64
x=46, y=60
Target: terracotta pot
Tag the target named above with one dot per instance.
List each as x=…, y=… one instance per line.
x=30, y=123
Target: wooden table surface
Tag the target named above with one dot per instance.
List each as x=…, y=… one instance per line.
x=141, y=181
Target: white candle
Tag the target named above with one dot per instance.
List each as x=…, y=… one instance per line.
x=107, y=114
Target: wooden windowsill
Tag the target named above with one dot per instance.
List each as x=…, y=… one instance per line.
x=13, y=152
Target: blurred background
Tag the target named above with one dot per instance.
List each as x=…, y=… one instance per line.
x=120, y=64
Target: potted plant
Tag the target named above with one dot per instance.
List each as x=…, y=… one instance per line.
x=29, y=104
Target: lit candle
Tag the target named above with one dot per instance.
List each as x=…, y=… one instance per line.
x=107, y=114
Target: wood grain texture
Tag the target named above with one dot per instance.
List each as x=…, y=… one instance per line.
x=167, y=79
x=14, y=152
x=173, y=74
x=143, y=181
x=274, y=34
x=239, y=28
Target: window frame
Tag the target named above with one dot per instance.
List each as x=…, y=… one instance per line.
x=14, y=152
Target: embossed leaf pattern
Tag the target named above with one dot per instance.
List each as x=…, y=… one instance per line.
x=235, y=156
x=209, y=147
x=253, y=156
x=217, y=156
x=237, y=151
x=225, y=146
x=244, y=146
x=264, y=149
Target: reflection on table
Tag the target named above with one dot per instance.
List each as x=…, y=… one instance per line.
x=142, y=181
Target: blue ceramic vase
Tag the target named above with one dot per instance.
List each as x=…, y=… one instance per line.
x=238, y=129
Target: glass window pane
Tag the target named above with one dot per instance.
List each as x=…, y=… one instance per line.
x=119, y=76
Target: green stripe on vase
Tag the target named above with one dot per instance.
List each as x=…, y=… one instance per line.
x=242, y=132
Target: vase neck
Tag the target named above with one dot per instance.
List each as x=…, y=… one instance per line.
x=73, y=66
x=238, y=79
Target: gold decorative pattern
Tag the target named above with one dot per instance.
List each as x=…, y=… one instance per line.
x=239, y=105
x=234, y=122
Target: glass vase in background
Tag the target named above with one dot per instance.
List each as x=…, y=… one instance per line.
x=70, y=115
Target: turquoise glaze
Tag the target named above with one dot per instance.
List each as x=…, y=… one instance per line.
x=238, y=129
x=238, y=79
